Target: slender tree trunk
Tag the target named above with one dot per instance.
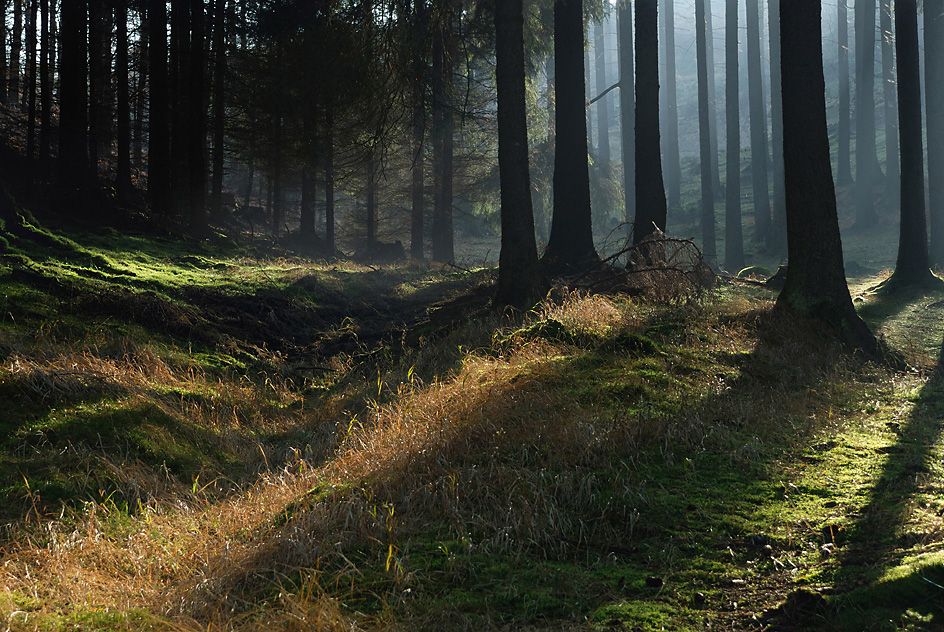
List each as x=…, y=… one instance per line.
x=816, y=283
x=627, y=110
x=330, y=246
x=159, y=157
x=250, y=177
x=100, y=103
x=709, y=247
x=734, y=231
x=29, y=93
x=865, y=114
x=892, y=161
x=603, y=109
x=593, y=136
x=371, y=207
x=73, y=103
x=912, y=267
x=670, y=144
x=650, y=191
x=16, y=49
x=759, y=149
x=197, y=142
x=520, y=281
x=123, y=183
x=181, y=95
x=219, y=111
x=140, y=90
x=844, y=177
x=570, y=245
x=934, y=98
x=45, y=79
x=443, y=50
x=712, y=104
x=418, y=186
x=778, y=234
x=4, y=66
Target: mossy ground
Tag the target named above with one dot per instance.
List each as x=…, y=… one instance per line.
x=197, y=438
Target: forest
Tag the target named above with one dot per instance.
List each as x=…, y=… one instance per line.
x=370, y=315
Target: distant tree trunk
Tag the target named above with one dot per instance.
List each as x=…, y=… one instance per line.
x=934, y=98
x=603, y=110
x=520, y=281
x=712, y=104
x=330, y=246
x=570, y=245
x=16, y=48
x=144, y=34
x=865, y=114
x=759, y=150
x=122, y=72
x=816, y=282
x=371, y=207
x=100, y=92
x=73, y=102
x=650, y=191
x=892, y=164
x=159, y=157
x=180, y=106
x=709, y=247
x=912, y=267
x=45, y=80
x=844, y=178
x=778, y=233
x=29, y=94
x=306, y=224
x=197, y=142
x=593, y=138
x=627, y=110
x=734, y=231
x=443, y=52
x=418, y=186
x=670, y=144
x=219, y=110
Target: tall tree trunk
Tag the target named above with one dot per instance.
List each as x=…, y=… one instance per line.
x=219, y=110
x=29, y=93
x=100, y=92
x=759, y=150
x=197, y=143
x=159, y=130
x=816, y=282
x=733, y=231
x=144, y=34
x=443, y=52
x=4, y=66
x=371, y=207
x=912, y=267
x=418, y=185
x=778, y=233
x=865, y=114
x=45, y=79
x=520, y=282
x=844, y=177
x=73, y=102
x=892, y=162
x=934, y=98
x=627, y=110
x=123, y=183
x=670, y=144
x=650, y=191
x=712, y=103
x=570, y=245
x=593, y=137
x=16, y=49
x=709, y=247
x=330, y=245
x=181, y=96
x=603, y=109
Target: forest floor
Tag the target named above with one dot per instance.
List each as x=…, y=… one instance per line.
x=201, y=437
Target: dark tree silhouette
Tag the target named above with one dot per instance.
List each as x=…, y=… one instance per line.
x=4, y=67
x=734, y=232
x=934, y=98
x=197, y=141
x=778, y=229
x=670, y=144
x=911, y=269
x=73, y=97
x=844, y=174
x=159, y=160
x=219, y=109
x=650, y=190
x=816, y=282
x=890, y=98
x=759, y=149
x=866, y=160
x=419, y=76
x=627, y=109
x=709, y=246
x=123, y=184
x=520, y=281
x=16, y=49
x=570, y=245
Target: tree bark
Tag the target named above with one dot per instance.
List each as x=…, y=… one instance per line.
x=816, y=282
x=181, y=95
x=734, y=231
x=570, y=245
x=159, y=158
x=709, y=247
x=934, y=98
x=844, y=177
x=759, y=149
x=100, y=93
x=778, y=234
x=144, y=35
x=890, y=97
x=650, y=190
x=627, y=110
x=865, y=114
x=670, y=144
